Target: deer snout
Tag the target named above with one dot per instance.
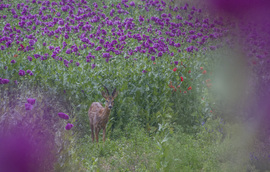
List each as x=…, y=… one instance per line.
x=110, y=106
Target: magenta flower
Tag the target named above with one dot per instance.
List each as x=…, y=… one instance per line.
x=28, y=106
x=13, y=61
x=31, y=101
x=153, y=58
x=132, y=3
x=106, y=55
x=103, y=32
x=29, y=58
x=4, y=81
x=63, y=115
x=68, y=51
x=21, y=72
x=98, y=48
x=144, y=71
x=69, y=126
x=164, y=15
x=177, y=45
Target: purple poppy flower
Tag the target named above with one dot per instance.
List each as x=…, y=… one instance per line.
x=29, y=58
x=4, y=81
x=2, y=47
x=31, y=42
x=16, y=82
x=69, y=126
x=75, y=49
x=177, y=45
x=164, y=15
x=71, y=61
x=106, y=55
x=28, y=106
x=64, y=44
x=160, y=54
x=31, y=101
x=21, y=72
x=93, y=65
x=63, y=115
x=13, y=61
x=101, y=41
x=77, y=63
x=132, y=3
x=66, y=61
x=98, y=48
x=153, y=58
x=31, y=74
x=176, y=62
x=68, y=51
x=28, y=71
x=144, y=71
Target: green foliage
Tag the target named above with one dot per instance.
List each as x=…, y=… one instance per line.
x=213, y=148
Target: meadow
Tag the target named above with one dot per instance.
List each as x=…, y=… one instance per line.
x=193, y=87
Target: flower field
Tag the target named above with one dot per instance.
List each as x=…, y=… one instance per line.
x=167, y=60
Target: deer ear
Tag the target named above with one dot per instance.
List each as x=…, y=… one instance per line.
x=104, y=94
x=115, y=93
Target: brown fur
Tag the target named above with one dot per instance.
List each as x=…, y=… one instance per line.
x=99, y=115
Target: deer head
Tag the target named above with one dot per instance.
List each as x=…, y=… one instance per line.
x=109, y=98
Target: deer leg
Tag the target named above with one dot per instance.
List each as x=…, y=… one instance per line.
x=104, y=134
x=96, y=132
x=92, y=133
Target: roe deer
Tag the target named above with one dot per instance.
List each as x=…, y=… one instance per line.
x=99, y=115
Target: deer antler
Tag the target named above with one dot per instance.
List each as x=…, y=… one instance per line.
x=113, y=92
x=106, y=89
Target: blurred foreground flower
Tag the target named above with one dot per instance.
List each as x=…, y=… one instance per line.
x=69, y=126
x=31, y=101
x=21, y=72
x=28, y=106
x=4, y=81
x=63, y=115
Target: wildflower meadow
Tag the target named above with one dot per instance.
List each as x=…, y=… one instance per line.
x=192, y=80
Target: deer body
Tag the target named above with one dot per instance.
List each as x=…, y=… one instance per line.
x=99, y=115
